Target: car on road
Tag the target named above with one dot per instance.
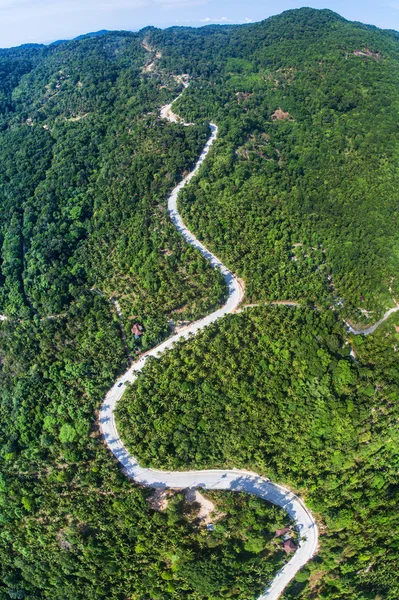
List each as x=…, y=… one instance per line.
x=120, y=384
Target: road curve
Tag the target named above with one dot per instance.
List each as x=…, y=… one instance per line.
x=371, y=328
x=229, y=479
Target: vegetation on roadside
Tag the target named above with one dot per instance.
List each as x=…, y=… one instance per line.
x=85, y=169
x=275, y=390
x=72, y=525
x=298, y=196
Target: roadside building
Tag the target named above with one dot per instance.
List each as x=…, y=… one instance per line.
x=281, y=532
x=137, y=330
x=289, y=546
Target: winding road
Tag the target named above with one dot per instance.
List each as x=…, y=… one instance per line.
x=371, y=328
x=230, y=479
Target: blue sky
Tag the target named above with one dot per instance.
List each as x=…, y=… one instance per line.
x=24, y=21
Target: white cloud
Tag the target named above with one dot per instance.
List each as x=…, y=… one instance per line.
x=215, y=20
x=209, y=20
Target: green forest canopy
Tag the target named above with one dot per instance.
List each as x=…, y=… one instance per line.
x=299, y=198
x=274, y=390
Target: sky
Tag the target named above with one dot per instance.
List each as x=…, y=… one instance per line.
x=44, y=21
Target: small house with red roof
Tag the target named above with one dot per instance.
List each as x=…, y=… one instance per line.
x=289, y=546
x=281, y=532
x=137, y=330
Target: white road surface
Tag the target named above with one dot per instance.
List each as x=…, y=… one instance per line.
x=371, y=328
x=234, y=480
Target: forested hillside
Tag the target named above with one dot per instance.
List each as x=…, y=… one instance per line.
x=274, y=390
x=85, y=169
x=299, y=198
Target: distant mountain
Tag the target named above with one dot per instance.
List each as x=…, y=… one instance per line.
x=92, y=34
x=81, y=37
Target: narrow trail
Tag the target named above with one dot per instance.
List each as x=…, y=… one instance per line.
x=118, y=310
x=218, y=479
x=156, y=56
x=269, y=303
